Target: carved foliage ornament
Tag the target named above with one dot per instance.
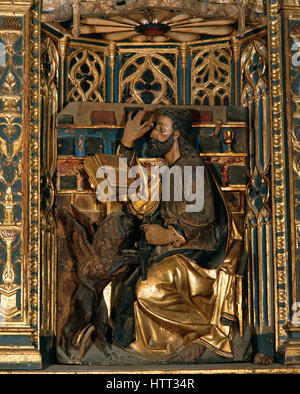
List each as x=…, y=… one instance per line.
x=11, y=143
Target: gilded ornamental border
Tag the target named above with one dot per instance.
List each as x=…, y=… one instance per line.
x=20, y=151
x=279, y=176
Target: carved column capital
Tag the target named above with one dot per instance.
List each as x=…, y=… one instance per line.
x=111, y=53
x=63, y=46
x=236, y=48
x=184, y=51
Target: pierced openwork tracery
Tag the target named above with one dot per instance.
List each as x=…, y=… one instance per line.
x=86, y=76
x=211, y=76
x=148, y=78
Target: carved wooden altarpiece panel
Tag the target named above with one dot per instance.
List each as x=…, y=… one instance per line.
x=238, y=71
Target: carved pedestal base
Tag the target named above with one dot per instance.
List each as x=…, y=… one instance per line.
x=292, y=354
x=292, y=349
x=29, y=359
x=8, y=301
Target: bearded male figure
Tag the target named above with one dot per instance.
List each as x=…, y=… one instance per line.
x=186, y=305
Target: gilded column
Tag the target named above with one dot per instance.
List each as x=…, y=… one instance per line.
x=50, y=82
x=63, y=46
x=236, y=52
x=76, y=18
x=111, y=52
x=183, y=51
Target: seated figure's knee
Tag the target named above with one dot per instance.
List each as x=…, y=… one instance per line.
x=159, y=277
x=143, y=288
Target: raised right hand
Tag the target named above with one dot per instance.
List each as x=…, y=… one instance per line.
x=135, y=128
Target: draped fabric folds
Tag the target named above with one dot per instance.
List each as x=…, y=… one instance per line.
x=182, y=303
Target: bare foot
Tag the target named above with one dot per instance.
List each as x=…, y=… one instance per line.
x=263, y=359
x=191, y=351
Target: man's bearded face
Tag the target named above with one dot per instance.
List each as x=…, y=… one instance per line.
x=159, y=149
x=162, y=137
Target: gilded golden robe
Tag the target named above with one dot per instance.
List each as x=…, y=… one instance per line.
x=180, y=303
x=189, y=293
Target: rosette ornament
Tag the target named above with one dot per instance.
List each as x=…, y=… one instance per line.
x=156, y=26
